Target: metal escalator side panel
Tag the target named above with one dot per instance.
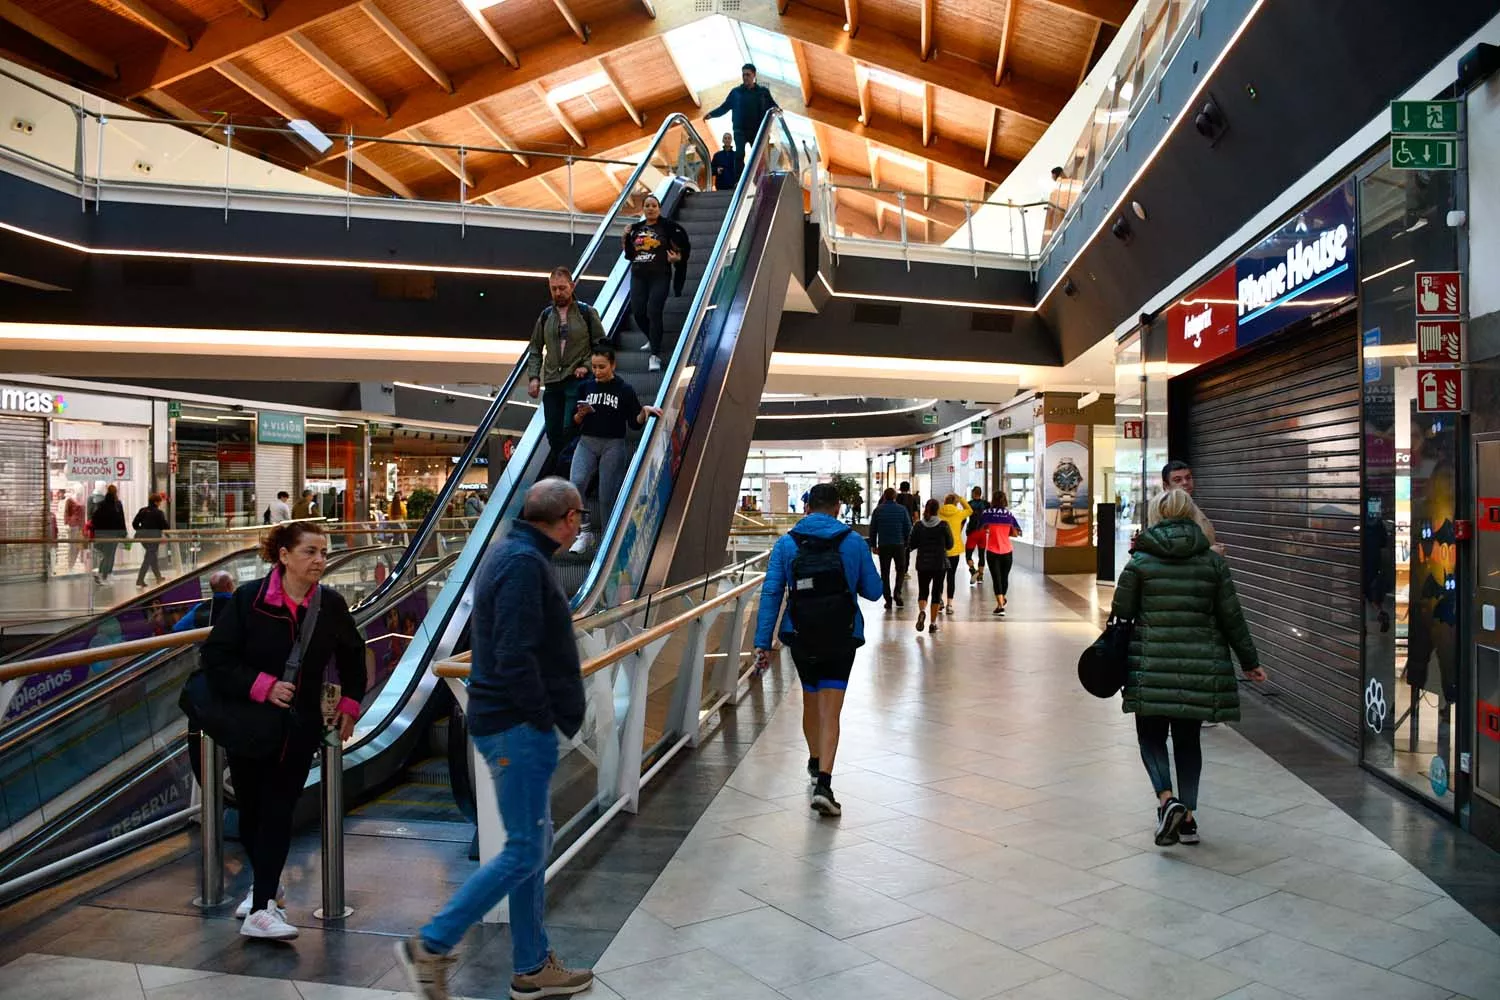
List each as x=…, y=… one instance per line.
x=733, y=368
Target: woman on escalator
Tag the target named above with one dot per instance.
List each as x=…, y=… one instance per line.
x=274, y=644
x=656, y=247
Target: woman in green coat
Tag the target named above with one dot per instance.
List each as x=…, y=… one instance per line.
x=1187, y=619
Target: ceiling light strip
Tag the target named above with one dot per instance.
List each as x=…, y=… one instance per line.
x=925, y=404
x=955, y=303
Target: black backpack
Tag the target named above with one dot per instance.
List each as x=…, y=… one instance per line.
x=821, y=605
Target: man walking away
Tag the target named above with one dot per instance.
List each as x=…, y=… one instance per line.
x=971, y=542
x=108, y=521
x=748, y=103
x=280, y=509
x=819, y=568
x=726, y=166
x=561, y=342
x=525, y=682
x=890, y=526
x=906, y=498
x=149, y=522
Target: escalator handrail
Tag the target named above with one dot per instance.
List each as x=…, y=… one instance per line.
x=603, y=619
x=591, y=591
x=172, y=643
x=492, y=415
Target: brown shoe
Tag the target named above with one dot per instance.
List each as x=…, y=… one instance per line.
x=551, y=980
x=427, y=971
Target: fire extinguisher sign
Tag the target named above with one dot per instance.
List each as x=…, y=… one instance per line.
x=1442, y=390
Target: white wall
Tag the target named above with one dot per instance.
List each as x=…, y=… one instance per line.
x=1484, y=195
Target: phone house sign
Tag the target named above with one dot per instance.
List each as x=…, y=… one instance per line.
x=1303, y=268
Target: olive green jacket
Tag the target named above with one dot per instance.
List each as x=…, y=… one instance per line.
x=1187, y=619
x=549, y=361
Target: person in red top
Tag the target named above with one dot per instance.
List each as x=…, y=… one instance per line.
x=997, y=526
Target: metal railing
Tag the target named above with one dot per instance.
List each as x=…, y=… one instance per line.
x=1133, y=87
x=253, y=159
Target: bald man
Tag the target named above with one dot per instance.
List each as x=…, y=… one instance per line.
x=205, y=613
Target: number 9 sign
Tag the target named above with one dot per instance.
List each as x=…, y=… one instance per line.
x=122, y=469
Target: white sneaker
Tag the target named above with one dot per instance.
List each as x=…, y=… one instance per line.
x=583, y=543
x=269, y=924
x=645, y=347
x=243, y=910
x=654, y=365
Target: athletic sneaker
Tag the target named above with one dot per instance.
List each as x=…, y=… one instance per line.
x=1169, y=819
x=1187, y=832
x=998, y=611
x=932, y=629
x=921, y=620
x=899, y=602
x=427, y=971
x=653, y=365
x=823, y=802
x=582, y=543
x=812, y=768
x=243, y=910
x=646, y=346
x=551, y=980
x=948, y=608
x=269, y=924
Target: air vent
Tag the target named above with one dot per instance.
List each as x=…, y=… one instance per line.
x=991, y=322
x=156, y=272
x=877, y=314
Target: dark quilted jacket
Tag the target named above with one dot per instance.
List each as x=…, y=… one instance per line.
x=1187, y=618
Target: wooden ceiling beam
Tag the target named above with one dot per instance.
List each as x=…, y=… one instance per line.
x=874, y=163
x=989, y=136
x=482, y=118
x=609, y=175
x=488, y=30
x=614, y=84
x=579, y=28
x=256, y=7
x=888, y=50
x=220, y=40
x=851, y=17
x=413, y=51
x=1111, y=12
x=681, y=74
x=1007, y=27
x=277, y=102
x=559, y=115
x=804, y=74
x=59, y=40
x=495, y=79
x=608, y=140
x=862, y=87
x=551, y=189
x=944, y=151
x=333, y=68
x=942, y=211
x=384, y=176
x=928, y=13
x=927, y=114
x=444, y=158
x=154, y=19
x=1088, y=53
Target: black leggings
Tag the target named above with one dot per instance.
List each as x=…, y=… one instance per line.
x=930, y=581
x=1151, y=734
x=1000, y=571
x=952, y=574
x=648, y=300
x=266, y=792
x=892, y=556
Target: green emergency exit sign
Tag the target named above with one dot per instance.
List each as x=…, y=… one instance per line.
x=1424, y=117
x=929, y=419
x=1423, y=153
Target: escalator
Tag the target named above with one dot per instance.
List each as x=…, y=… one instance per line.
x=114, y=770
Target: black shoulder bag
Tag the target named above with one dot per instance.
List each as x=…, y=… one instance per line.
x=1103, y=666
x=243, y=727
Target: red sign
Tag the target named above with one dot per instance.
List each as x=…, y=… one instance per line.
x=1488, y=719
x=1134, y=430
x=928, y=453
x=1439, y=293
x=1201, y=325
x=1487, y=513
x=1440, y=342
x=1441, y=390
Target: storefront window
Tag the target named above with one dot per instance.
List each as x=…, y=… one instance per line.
x=333, y=464
x=83, y=461
x=1017, y=462
x=1130, y=445
x=215, y=469
x=1411, y=652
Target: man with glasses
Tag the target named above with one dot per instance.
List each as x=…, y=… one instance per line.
x=524, y=686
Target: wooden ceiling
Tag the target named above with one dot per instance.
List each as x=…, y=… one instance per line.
x=929, y=97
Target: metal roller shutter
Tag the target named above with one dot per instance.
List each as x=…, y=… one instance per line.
x=23, y=493
x=1275, y=445
x=275, y=470
x=942, y=478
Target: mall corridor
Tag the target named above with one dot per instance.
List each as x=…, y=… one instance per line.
x=995, y=842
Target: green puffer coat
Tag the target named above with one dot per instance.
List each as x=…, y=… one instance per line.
x=1187, y=618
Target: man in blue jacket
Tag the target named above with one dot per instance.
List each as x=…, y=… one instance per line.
x=890, y=527
x=524, y=684
x=749, y=103
x=824, y=566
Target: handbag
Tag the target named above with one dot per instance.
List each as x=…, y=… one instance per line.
x=246, y=728
x=1103, y=666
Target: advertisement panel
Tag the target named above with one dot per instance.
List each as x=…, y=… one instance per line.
x=1201, y=325
x=1305, y=267
x=1064, y=477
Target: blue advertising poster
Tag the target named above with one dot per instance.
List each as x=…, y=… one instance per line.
x=1372, y=361
x=1303, y=268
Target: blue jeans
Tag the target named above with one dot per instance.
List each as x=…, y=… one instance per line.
x=1151, y=733
x=521, y=761
x=607, y=456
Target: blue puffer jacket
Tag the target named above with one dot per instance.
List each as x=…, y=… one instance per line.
x=859, y=570
x=890, y=525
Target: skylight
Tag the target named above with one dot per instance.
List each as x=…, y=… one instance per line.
x=578, y=88
x=708, y=52
x=771, y=53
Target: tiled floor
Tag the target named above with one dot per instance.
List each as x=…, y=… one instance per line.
x=995, y=844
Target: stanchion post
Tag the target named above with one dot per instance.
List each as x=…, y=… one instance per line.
x=211, y=824
x=332, y=787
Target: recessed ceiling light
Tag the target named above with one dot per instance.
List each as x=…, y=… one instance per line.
x=1139, y=210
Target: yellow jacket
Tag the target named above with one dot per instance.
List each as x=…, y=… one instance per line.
x=956, y=515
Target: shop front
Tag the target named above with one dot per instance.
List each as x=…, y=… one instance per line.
x=1291, y=379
